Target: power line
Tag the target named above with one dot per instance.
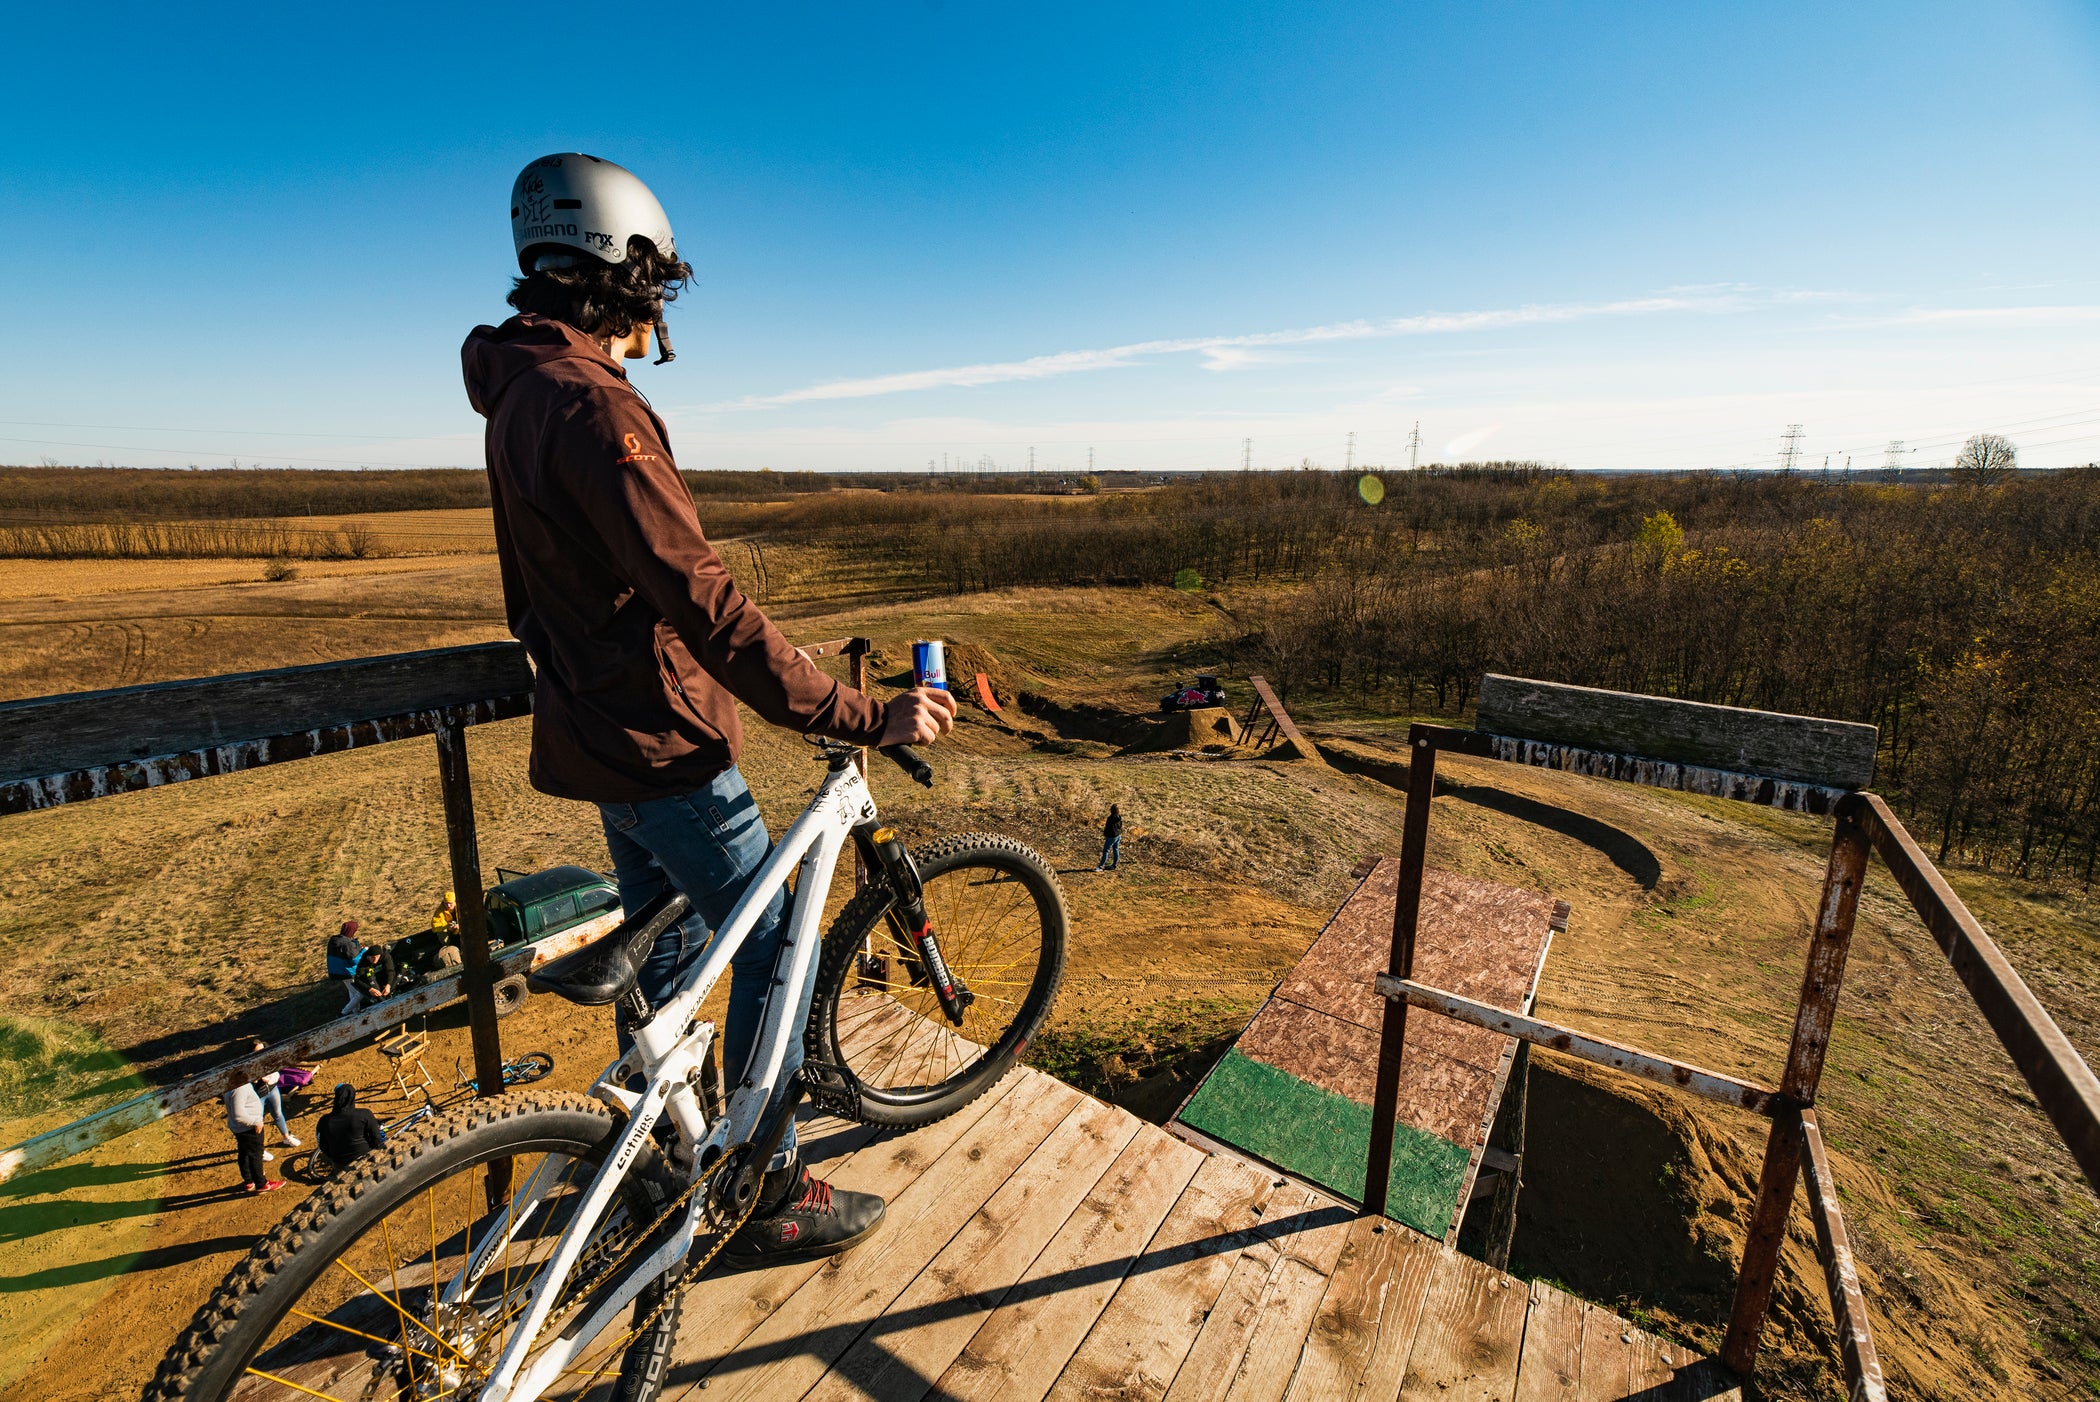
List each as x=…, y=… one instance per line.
x=1414, y=447
x=1246, y=455
x=1349, y=454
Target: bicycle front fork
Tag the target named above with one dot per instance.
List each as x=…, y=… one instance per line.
x=882, y=851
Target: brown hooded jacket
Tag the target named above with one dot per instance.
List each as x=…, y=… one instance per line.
x=637, y=633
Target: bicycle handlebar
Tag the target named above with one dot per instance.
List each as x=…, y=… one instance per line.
x=911, y=762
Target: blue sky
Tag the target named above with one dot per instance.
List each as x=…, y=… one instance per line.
x=1611, y=236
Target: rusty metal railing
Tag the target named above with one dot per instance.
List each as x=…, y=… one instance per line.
x=2063, y=1084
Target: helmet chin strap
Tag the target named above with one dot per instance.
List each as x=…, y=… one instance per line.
x=663, y=343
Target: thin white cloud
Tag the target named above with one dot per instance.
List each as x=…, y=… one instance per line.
x=1996, y=316
x=1465, y=443
x=1225, y=352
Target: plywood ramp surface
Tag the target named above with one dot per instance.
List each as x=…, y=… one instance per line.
x=1040, y=1244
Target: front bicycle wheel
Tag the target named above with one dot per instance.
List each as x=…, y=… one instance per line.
x=400, y=1280
x=999, y=916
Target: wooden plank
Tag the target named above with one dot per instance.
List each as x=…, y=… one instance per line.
x=1365, y=1326
x=1288, y=1306
x=1281, y=716
x=1138, y=1345
x=1471, y=1334
x=932, y=1321
x=1847, y=1304
x=2063, y=1084
x=1215, y=1355
x=722, y=1310
x=61, y=749
x=1710, y=1085
x=811, y=1328
x=1549, y=1368
x=1019, y=1351
x=1808, y=749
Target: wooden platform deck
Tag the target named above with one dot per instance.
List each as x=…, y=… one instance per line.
x=1043, y=1244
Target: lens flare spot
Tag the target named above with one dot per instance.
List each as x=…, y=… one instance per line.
x=1370, y=489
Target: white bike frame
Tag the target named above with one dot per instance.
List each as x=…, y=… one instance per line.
x=668, y=1052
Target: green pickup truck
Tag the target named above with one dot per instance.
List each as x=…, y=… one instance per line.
x=522, y=907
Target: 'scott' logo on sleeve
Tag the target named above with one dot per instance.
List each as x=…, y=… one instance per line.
x=634, y=451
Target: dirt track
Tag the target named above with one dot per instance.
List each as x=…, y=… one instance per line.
x=196, y=909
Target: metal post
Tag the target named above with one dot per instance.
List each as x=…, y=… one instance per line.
x=1407, y=911
x=473, y=922
x=1797, y=1090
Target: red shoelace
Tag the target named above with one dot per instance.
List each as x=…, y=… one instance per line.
x=816, y=1195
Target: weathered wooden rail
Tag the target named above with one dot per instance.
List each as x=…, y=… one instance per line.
x=1795, y=762
x=56, y=750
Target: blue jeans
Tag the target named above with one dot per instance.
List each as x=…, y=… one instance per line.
x=273, y=1103
x=709, y=844
x=1111, y=853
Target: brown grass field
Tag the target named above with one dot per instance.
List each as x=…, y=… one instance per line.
x=137, y=933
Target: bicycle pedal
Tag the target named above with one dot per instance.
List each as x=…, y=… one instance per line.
x=832, y=1089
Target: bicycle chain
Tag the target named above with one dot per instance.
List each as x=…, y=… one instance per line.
x=687, y=1271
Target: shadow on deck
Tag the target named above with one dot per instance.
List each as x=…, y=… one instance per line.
x=1044, y=1244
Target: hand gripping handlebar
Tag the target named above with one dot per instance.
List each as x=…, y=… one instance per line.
x=911, y=762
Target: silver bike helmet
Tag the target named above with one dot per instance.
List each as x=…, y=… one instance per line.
x=573, y=201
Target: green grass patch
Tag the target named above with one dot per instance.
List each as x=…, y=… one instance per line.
x=45, y=1065
x=1324, y=1137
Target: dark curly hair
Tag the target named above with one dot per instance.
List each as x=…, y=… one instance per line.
x=605, y=299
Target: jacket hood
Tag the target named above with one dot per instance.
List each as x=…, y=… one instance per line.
x=345, y=1095
x=493, y=356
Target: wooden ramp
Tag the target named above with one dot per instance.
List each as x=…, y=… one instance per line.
x=1295, y=1091
x=1043, y=1244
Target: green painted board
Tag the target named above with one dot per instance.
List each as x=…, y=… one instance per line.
x=1324, y=1138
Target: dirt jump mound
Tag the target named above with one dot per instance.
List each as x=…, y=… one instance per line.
x=1209, y=727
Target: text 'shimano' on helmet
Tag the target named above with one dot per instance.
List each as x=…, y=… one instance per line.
x=573, y=202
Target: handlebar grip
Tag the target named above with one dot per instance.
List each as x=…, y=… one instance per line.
x=911, y=762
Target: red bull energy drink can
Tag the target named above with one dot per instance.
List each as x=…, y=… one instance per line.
x=929, y=665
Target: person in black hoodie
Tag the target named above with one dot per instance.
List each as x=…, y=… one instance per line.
x=1111, y=840
x=348, y=1132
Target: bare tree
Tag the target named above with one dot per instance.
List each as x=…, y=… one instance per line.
x=1986, y=458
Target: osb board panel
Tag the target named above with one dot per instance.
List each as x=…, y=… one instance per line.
x=1475, y=938
x=1439, y=1093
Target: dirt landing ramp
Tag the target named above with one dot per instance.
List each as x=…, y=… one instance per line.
x=1211, y=727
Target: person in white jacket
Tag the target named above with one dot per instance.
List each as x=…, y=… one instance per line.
x=244, y=1120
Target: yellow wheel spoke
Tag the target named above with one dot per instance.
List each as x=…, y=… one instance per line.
x=388, y=1343
x=380, y=1294
x=287, y=1382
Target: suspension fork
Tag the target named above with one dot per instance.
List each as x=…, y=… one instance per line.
x=883, y=853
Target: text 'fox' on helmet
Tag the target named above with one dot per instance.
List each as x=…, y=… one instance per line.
x=573, y=201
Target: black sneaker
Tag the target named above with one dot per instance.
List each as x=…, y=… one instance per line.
x=801, y=1218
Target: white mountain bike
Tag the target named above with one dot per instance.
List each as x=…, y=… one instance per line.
x=489, y=1254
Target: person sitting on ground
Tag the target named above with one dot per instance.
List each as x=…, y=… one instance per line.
x=1111, y=840
x=374, y=979
x=349, y=1131
x=244, y=1120
x=270, y=1086
x=642, y=644
x=343, y=952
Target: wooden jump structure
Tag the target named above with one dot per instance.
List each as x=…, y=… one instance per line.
x=1280, y=721
x=1042, y=1244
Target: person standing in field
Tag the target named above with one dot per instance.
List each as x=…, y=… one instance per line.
x=244, y=1120
x=1111, y=840
x=642, y=643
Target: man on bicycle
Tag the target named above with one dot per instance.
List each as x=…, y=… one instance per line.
x=641, y=642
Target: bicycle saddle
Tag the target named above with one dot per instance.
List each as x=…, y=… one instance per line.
x=606, y=968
